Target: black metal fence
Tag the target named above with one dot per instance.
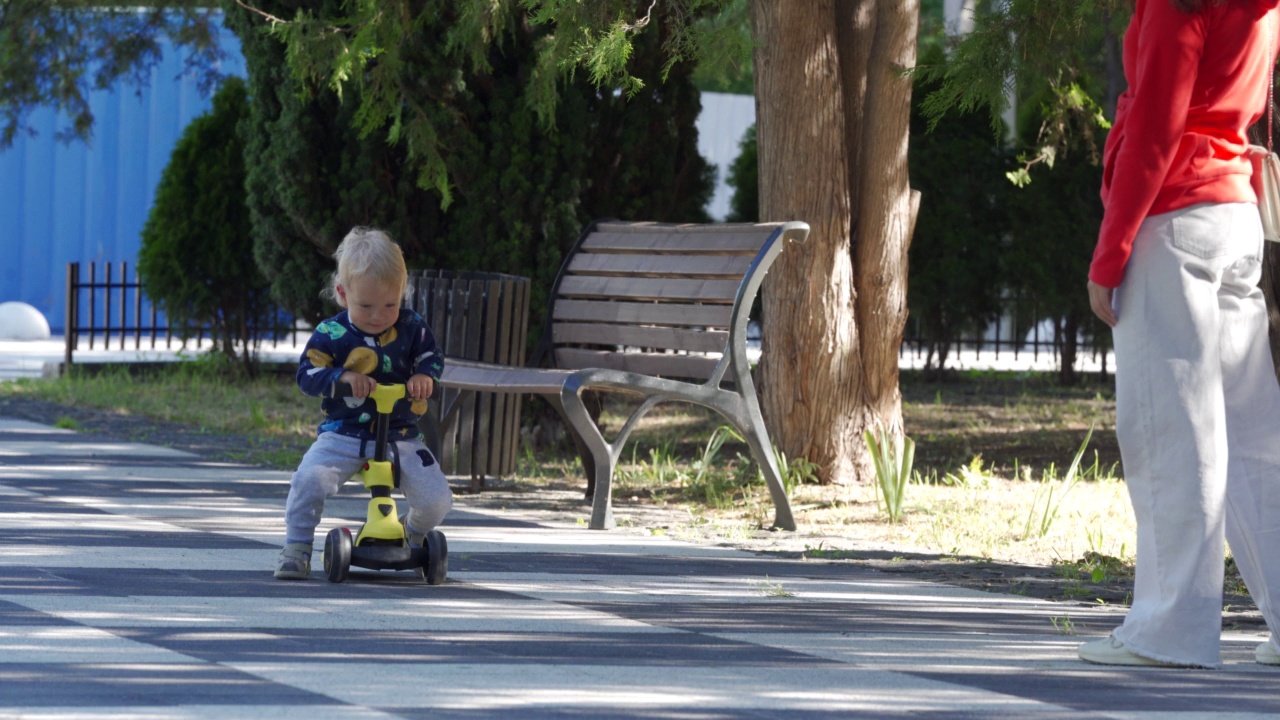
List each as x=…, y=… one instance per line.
x=1020, y=335
x=107, y=307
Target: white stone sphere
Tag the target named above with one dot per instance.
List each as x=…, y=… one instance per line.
x=20, y=321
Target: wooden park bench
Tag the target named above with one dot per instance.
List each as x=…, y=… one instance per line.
x=651, y=309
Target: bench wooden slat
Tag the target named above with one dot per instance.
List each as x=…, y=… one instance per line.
x=459, y=374
x=668, y=289
x=643, y=313
x=655, y=364
x=685, y=229
x=724, y=266
x=666, y=338
x=678, y=243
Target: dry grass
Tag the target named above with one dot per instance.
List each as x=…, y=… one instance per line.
x=992, y=456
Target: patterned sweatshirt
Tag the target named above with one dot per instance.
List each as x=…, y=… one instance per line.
x=407, y=348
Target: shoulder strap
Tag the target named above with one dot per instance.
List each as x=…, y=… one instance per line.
x=1271, y=73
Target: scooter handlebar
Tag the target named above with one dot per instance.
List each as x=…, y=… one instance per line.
x=384, y=396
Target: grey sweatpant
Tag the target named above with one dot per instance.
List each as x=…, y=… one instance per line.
x=333, y=459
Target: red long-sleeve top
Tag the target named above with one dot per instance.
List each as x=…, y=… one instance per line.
x=1196, y=82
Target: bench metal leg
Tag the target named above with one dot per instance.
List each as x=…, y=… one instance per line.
x=754, y=434
x=603, y=460
x=743, y=413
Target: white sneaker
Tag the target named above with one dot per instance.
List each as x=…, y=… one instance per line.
x=1110, y=651
x=1266, y=654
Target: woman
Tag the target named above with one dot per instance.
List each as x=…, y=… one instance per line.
x=1175, y=275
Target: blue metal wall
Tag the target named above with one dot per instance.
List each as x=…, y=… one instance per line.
x=66, y=202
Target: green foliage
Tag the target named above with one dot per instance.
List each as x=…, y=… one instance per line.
x=932, y=32
x=1020, y=40
x=893, y=457
x=1044, y=504
x=196, y=246
x=53, y=54
x=367, y=50
x=957, y=251
x=1054, y=221
x=725, y=63
x=459, y=79
x=744, y=178
x=1069, y=120
x=1061, y=56
x=313, y=176
x=1055, y=225
x=795, y=471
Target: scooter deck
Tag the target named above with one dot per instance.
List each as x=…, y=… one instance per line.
x=388, y=557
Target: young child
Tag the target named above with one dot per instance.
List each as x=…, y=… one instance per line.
x=373, y=341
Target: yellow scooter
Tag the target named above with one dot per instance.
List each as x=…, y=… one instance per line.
x=382, y=543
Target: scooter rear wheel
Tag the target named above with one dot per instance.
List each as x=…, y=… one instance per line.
x=337, y=554
x=437, y=557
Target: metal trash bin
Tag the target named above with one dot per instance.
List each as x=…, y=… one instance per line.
x=475, y=316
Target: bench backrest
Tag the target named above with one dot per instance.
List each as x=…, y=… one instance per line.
x=659, y=299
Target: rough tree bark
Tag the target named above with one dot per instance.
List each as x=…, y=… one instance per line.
x=832, y=114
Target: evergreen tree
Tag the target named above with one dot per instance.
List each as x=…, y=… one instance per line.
x=519, y=189
x=1054, y=226
x=744, y=178
x=196, y=259
x=956, y=255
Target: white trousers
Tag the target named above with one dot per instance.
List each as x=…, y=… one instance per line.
x=333, y=459
x=1198, y=420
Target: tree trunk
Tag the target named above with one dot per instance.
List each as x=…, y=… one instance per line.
x=832, y=110
x=878, y=44
x=1070, y=337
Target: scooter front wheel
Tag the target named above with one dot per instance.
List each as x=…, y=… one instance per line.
x=337, y=554
x=437, y=557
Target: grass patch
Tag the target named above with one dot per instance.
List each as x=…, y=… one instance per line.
x=186, y=393
x=202, y=397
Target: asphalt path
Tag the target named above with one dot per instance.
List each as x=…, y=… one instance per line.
x=135, y=582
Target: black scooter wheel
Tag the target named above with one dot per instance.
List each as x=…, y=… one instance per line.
x=337, y=554
x=437, y=557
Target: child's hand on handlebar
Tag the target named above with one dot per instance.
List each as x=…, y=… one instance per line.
x=361, y=385
x=420, y=387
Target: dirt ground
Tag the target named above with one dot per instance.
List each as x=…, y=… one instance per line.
x=958, y=420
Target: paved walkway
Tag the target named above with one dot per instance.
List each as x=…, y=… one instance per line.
x=135, y=583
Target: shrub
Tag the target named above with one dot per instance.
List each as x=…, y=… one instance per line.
x=196, y=260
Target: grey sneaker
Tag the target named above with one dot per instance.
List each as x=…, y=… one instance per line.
x=415, y=540
x=295, y=562
x=414, y=537
x=1266, y=654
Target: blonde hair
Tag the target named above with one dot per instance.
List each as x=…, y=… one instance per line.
x=368, y=252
